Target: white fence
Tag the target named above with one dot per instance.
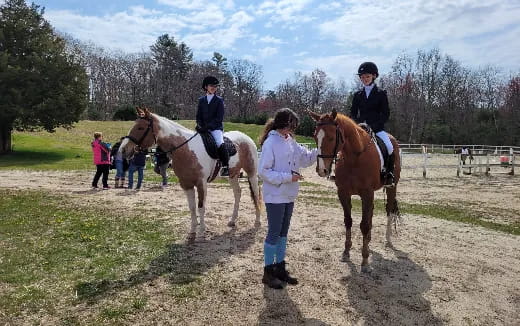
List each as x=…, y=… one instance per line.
x=480, y=162
x=439, y=148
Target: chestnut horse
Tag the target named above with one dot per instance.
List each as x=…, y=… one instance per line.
x=192, y=164
x=357, y=172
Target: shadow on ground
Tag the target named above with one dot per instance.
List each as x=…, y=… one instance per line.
x=183, y=263
x=392, y=293
x=280, y=309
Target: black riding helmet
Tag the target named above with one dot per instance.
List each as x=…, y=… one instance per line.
x=209, y=80
x=368, y=68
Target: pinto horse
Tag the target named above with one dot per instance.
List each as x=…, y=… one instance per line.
x=357, y=172
x=192, y=164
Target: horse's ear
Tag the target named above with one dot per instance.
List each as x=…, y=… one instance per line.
x=147, y=112
x=313, y=115
x=140, y=111
x=334, y=114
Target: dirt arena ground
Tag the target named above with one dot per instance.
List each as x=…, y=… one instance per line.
x=438, y=273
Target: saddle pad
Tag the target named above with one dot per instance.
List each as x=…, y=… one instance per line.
x=383, y=151
x=211, y=146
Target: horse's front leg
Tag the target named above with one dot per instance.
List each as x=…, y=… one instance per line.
x=367, y=204
x=190, y=194
x=202, y=190
x=237, y=192
x=346, y=203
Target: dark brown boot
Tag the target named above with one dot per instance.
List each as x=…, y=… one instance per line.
x=283, y=275
x=270, y=279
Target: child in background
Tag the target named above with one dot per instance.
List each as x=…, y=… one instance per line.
x=119, y=163
x=162, y=161
x=137, y=163
x=101, y=155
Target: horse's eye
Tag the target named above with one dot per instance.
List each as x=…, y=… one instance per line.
x=140, y=128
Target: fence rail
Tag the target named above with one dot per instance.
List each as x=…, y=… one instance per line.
x=440, y=148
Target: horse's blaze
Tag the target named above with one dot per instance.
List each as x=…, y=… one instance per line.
x=321, y=163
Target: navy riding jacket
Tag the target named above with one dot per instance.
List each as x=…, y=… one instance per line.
x=210, y=116
x=372, y=110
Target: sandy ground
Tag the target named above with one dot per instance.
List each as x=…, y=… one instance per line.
x=438, y=272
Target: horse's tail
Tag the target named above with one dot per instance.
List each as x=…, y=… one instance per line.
x=257, y=200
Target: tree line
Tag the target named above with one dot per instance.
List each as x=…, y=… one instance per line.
x=48, y=79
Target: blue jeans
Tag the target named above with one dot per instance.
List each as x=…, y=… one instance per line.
x=278, y=221
x=120, y=172
x=140, y=175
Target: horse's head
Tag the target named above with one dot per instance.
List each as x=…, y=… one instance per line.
x=141, y=136
x=328, y=139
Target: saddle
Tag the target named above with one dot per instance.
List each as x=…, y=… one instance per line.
x=378, y=141
x=212, y=150
x=211, y=146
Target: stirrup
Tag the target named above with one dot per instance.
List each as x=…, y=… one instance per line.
x=224, y=171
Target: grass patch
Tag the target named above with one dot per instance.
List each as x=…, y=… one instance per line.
x=445, y=212
x=69, y=149
x=50, y=247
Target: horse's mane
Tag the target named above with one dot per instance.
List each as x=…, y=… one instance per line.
x=354, y=132
x=171, y=123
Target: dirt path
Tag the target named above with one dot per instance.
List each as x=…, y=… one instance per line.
x=438, y=273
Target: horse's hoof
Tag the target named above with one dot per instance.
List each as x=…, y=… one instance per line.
x=345, y=257
x=231, y=224
x=191, y=237
x=365, y=269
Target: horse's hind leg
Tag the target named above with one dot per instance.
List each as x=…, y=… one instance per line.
x=190, y=194
x=392, y=213
x=346, y=203
x=367, y=203
x=237, y=192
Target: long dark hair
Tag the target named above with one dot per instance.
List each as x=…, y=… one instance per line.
x=283, y=118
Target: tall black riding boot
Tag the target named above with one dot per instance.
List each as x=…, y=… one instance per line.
x=283, y=275
x=270, y=278
x=389, y=177
x=224, y=159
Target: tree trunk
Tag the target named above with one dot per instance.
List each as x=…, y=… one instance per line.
x=5, y=138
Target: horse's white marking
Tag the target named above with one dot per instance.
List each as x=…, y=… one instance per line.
x=321, y=164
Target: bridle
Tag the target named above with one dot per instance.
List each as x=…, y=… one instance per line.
x=150, y=128
x=334, y=155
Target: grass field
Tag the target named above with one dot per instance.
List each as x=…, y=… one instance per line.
x=70, y=149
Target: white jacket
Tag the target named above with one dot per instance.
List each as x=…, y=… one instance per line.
x=279, y=157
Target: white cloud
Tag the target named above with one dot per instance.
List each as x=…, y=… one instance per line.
x=270, y=39
x=384, y=24
x=268, y=51
x=137, y=28
x=199, y=4
x=287, y=13
x=129, y=31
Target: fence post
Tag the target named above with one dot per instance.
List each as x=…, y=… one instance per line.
x=487, y=164
x=512, y=161
x=425, y=155
x=460, y=165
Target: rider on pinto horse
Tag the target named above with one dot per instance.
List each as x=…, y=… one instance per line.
x=370, y=105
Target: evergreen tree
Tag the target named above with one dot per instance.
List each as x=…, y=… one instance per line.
x=40, y=84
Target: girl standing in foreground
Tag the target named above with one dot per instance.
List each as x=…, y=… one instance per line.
x=280, y=161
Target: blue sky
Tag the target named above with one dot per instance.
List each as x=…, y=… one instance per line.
x=301, y=35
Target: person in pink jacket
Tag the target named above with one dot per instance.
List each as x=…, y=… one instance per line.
x=101, y=153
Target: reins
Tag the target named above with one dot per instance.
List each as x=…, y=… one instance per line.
x=150, y=127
